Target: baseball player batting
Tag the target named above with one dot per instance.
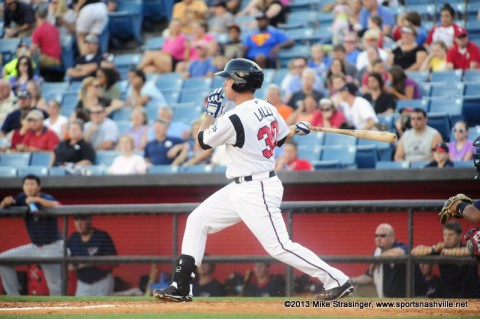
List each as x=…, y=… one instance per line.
x=250, y=132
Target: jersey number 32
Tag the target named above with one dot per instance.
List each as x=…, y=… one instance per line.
x=269, y=136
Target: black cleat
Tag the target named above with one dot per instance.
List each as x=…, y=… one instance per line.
x=336, y=293
x=171, y=294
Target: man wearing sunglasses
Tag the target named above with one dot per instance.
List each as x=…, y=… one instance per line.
x=388, y=278
x=19, y=18
x=465, y=54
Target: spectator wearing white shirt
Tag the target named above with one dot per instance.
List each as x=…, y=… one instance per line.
x=128, y=163
x=55, y=121
x=358, y=111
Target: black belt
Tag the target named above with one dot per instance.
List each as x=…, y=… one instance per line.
x=249, y=178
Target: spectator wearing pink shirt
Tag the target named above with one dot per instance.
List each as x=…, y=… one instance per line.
x=128, y=163
x=173, y=51
x=462, y=148
x=328, y=115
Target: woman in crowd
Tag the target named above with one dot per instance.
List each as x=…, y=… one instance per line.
x=139, y=129
x=128, y=163
x=108, y=78
x=36, y=96
x=378, y=66
x=337, y=66
x=402, y=87
x=74, y=152
x=437, y=59
x=338, y=82
x=190, y=153
x=90, y=94
x=382, y=101
x=461, y=149
x=446, y=30
x=173, y=51
x=305, y=110
x=328, y=115
x=55, y=121
x=408, y=55
x=25, y=73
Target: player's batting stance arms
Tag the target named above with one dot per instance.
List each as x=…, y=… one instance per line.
x=461, y=206
x=250, y=132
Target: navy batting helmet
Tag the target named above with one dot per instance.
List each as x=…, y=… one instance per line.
x=476, y=157
x=248, y=75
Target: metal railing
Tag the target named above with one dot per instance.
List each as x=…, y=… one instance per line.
x=289, y=208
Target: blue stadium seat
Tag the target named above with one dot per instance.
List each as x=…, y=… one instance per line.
x=301, y=35
x=446, y=105
x=441, y=123
x=392, y=165
x=123, y=126
x=152, y=111
x=285, y=55
x=366, y=156
x=15, y=159
x=471, y=104
x=312, y=139
x=268, y=75
x=7, y=172
x=162, y=170
x=187, y=114
x=40, y=159
x=8, y=48
x=384, y=150
x=307, y=17
x=424, y=88
x=105, y=158
x=127, y=21
x=157, y=10
x=452, y=89
x=388, y=120
x=49, y=88
x=472, y=75
x=419, y=76
x=197, y=84
x=261, y=93
x=169, y=84
x=93, y=170
x=74, y=87
x=220, y=169
x=197, y=169
x=344, y=153
x=68, y=49
x=333, y=164
x=338, y=139
x=473, y=89
x=171, y=96
x=309, y=152
x=419, y=164
x=123, y=114
x=195, y=96
x=280, y=75
x=69, y=99
x=37, y=170
x=127, y=60
x=420, y=103
x=463, y=164
x=58, y=171
x=303, y=5
x=218, y=82
x=447, y=76
x=154, y=43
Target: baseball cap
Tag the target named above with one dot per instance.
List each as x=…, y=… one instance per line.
x=261, y=15
x=441, y=147
x=35, y=115
x=350, y=87
x=325, y=101
x=91, y=39
x=23, y=94
x=459, y=31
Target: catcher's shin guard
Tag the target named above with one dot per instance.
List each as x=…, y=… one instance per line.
x=183, y=274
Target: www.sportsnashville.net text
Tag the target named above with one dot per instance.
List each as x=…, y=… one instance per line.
x=374, y=304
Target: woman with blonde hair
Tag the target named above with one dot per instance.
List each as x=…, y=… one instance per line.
x=90, y=95
x=36, y=94
x=128, y=163
x=437, y=59
x=139, y=129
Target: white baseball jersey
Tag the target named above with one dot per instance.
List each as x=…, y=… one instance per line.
x=250, y=133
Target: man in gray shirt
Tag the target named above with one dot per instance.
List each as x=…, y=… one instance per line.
x=101, y=131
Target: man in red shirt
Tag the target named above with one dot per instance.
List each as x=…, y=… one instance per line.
x=46, y=39
x=290, y=161
x=465, y=55
x=39, y=138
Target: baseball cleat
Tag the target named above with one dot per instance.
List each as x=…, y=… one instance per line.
x=336, y=293
x=171, y=294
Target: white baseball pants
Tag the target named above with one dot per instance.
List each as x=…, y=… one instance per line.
x=103, y=287
x=257, y=204
x=52, y=271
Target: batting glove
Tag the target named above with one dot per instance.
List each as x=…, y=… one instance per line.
x=214, y=102
x=302, y=128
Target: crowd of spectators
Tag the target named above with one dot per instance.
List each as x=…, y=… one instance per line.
x=352, y=83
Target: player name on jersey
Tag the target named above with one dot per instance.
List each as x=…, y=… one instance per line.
x=263, y=112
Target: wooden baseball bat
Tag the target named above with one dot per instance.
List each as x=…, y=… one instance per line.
x=366, y=134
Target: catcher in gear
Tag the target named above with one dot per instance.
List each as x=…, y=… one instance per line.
x=461, y=206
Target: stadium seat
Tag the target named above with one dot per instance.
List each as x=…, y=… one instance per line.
x=285, y=55
x=127, y=60
x=392, y=165
x=420, y=103
x=50, y=88
x=152, y=110
x=105, y=158
x=169, y=84
x=339, y=139
x=218, y=82
x=94, y=170
x=193, y=96
x=123, y=126
x=155, y=43
x=37, y=170
x=171, y=96
x=447, y=76
x=123, y=114
x=126, y=22
x=419, y=164
x=157, y=10
x=424, y=88
x=384, y=150
x=472, y=75
x=452, y=89
x=58, y=171
x=7, y=172
x=187, y=114
x=366, y=156
x=268, y=75
x=302, y=35
x=280, y=75
x=303, y=5
x=446, y=105
x=320, y=165
x=15, y=159
x=8, y=48
x=162, y=170
x=463, y=164
x=197, y=84
x=197, y=169
x=387, y=120
x=441, y=123
x=418, y=76
x=312, y=139
x=309, y=152
x=40, y=159
x=220, y=169
x=344, y=153
x=261, y=93
x=307, y=17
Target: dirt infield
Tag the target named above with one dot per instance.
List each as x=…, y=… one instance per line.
x=351, y=307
